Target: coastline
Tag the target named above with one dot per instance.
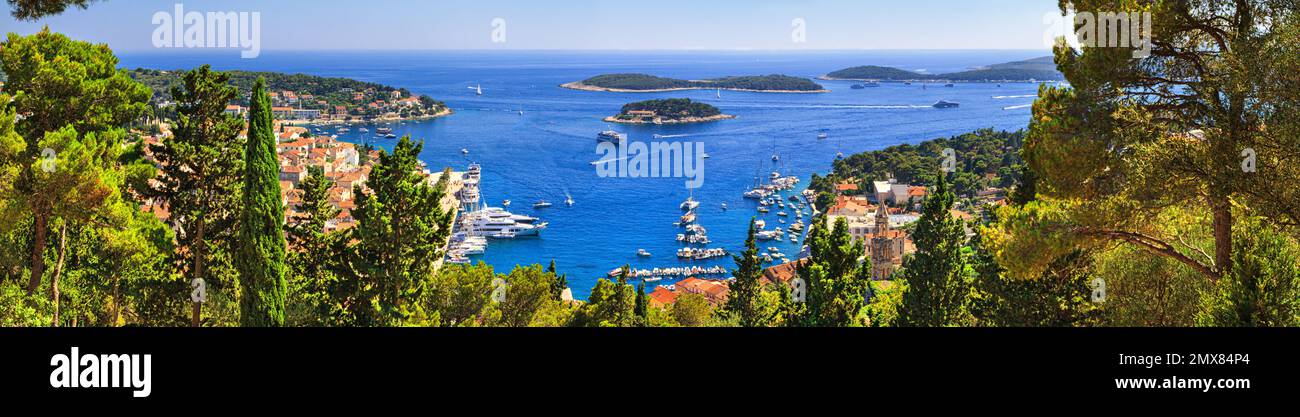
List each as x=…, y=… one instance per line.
x=447, y=111
x=578, y=85
x=688, y=120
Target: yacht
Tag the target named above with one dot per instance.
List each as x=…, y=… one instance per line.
x=497, y=223
x=383, y=130
x=690, y=204
x=610, y=136
x=943, y=104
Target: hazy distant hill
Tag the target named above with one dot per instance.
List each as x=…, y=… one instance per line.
x=1042, y=68
x=645, y=82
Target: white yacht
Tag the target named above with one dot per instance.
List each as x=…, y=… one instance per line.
x=500, y=224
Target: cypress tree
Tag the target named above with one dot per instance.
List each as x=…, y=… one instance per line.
x=261, y=233
x=642, y=307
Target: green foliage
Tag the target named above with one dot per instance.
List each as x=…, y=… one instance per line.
x=745, y=301
x=692, y=310
x=1263, y=288
x=75, y=102
x=37, y=9
x=937, y=276
x=201, y=167
x=672, y=108
x=837, y=277
x=610, y=304
x=334, y=91
x=261, y=237
x=1060, y=298
x=650, y=82
x=401, y=227
x=978, y=153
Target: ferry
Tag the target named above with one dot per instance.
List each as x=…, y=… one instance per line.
x=610, y=136
x=943, y=104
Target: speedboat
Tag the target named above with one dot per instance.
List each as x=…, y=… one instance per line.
x=823, y=135
x=568, y=201
x=505, y=203
x=642, y=253
x=541, y=204
x=943, y=104
x=464, y=151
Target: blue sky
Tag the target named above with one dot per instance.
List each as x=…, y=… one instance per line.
x=587, y=24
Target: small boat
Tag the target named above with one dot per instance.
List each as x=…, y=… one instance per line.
x=652, y=279
x=464, y=151
x=706, y=156
x=688, y=218
x=948, y=85
x=823, y=135
x=943, y=104
x=857, y=86
x=724, y=206
x=839, y=155
x=568, y=201
x=689, y=204
x=776, y=157
x=759, y=224
x=478, y=90
x=609, y=136
x=541, y=204
x=391, y=136
x=642, y=253
x=763, y=210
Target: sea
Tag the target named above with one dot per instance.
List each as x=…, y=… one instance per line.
x=537, y=141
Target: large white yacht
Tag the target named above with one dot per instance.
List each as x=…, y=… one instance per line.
x=498, y=223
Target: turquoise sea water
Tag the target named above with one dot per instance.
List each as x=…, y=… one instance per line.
x=546, y=152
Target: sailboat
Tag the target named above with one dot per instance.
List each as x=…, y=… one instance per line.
x=478, y=89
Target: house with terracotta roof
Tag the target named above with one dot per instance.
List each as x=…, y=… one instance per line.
x=713, y=290
x=783, y=273
x=662, y=297
x=846, y=187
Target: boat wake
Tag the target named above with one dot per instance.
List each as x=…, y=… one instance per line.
x=670, y=136
x=1017, y=107
x=1006, y=97
x=609, y=161
x=838, y=106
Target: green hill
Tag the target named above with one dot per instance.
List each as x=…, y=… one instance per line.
x=1042, y=68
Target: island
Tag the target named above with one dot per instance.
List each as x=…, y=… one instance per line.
x=668, y=111
x=1036, y=69
x=644, y=83
x=308, y=98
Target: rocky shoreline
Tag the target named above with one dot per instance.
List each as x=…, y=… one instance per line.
x=615, y=119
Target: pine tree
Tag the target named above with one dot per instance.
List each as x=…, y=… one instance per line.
x=836, y=277
x=75, y=100
x=745, y=301
x=201, y=167
x=401, y=227
x=938, y=286
x=261, y=249
x=559, y=283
